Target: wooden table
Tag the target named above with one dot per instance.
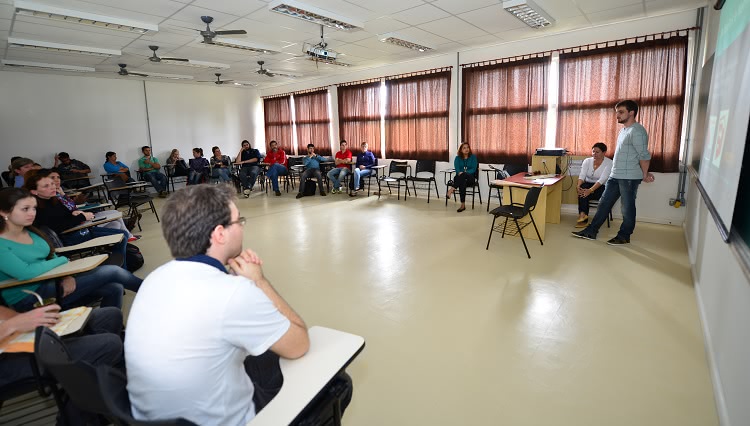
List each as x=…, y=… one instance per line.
x=95, y=222
x=106, y=240
x=71, y=268
x=331, y=351
x=547, y=207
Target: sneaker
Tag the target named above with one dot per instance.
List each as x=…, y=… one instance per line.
x=300, y=195
x=278, y=193
x=617, y=241
x=163, y=194
x=246, y=192
x=339, y=191
x=134, y=238
x=584, y=235
x=334, y=191
x=322, y=193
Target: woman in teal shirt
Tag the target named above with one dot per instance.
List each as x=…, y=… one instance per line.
x=25, y=254
x=466, y=167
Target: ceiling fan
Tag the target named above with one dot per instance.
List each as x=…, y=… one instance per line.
x=218, y=80
x=209, y=35
x=155, y=58
x=269, y=73
x=125, y=72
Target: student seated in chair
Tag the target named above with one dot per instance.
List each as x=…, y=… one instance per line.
x=277, y=163
x=195, y=364
x=116, y=168
x=343, y=164
x=199, y=167
x=363, y=168
x=312, y=170
x=149, y=166
x=248, y=158
x=72, y=169
x=220, y=165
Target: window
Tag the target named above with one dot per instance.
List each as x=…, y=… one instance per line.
x=359, y=115
x=416, y=117
x=312, y=121
x=505, y=109
x=278, y=119
x=652, y=73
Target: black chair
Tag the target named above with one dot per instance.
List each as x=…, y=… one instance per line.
x=44, y=385
x=473, y=190
x=8, y=178
x=398, y=171
x=294, y=169
x=427, y=168
x=170, y=169
x=123, y=195
x=501, y=174
x=517, y=211
x=595, y=204
x=284, y=179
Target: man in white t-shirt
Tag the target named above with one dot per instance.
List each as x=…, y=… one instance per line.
x=193, y=325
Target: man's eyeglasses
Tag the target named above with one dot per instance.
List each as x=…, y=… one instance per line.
x=242, y=221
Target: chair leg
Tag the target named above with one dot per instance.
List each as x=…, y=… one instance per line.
x=437, y=194
x=153, y=209
x=504, y=227
x=522, y=239
x=491, y=230
x=536, y=229
x=446, y=193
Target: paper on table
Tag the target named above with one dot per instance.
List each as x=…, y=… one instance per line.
x=71, y=321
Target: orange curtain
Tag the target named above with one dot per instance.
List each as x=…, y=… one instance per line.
x=359, y=116
x=277, y=115
x=505, y=109
x=652, y=73
x=312, y=119
x=416, y=117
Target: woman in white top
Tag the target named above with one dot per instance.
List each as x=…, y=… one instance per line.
x=594, y=174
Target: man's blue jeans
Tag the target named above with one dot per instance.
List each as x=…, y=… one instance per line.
x=158, y=180
x=359, y=174
x=336, y=175
x=274, y=171
x=627, y=189
x=221, y=173
x=248, y=175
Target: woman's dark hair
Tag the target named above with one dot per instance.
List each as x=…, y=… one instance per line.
x=198, y=150
x=601, y=146
x=460, y=150
x=108, y=154
x=213, y=150
x=9, y=197
x=31, y=180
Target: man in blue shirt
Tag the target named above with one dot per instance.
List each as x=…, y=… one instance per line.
x=312, y=171
x=363, y=168
x=629, y=168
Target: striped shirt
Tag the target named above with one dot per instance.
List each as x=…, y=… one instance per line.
x=632, y=147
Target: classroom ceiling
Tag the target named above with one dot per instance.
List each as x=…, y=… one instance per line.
x=443, y=25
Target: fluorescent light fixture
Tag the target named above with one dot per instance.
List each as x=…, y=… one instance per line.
x=400, y=41
x=328, y=61
x=62, y=48
x=196, y=64
x=43, y=66
x=528, y=12
x=160, y=75
x=28, y=8
x=243, y=83
x=239, y=44
x=313, y=14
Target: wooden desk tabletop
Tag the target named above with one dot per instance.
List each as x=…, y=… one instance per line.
x=90, y=223
x=520, y=178
x=71, y=268
x=94, y=242
x=94, y=206
x=330, y=352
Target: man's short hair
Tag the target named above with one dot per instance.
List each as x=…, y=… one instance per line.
x=272, y=142
x=310, y=145
x=20, y=162
x=190, y=216
x=343, y=141
x=143, y=148
x=629, y=105
x=63, y=155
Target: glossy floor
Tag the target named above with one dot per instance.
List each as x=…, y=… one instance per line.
x=581, y=334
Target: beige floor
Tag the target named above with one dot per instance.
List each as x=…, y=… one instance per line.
x=581, y=334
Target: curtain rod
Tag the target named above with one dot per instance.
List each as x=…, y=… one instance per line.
x=395, y=76
x=298, y=92
x=584, y=47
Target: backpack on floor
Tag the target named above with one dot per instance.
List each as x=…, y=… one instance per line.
x=133, y=257
x=310, y=186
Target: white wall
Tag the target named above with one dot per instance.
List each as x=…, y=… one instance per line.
x=723, y=292
x=41, y=114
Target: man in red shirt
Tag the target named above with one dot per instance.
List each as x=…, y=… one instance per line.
x=343, y=167
x=276, y=160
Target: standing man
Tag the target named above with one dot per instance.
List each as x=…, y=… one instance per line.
x=629, y=168
x=343, y=163
x=365, y=161
x=276, y=160
x=149, y=166
x=312, y=170
x=194, y=364
x=249, y=170
x=72, y=169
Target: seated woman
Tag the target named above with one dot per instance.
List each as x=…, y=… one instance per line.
x=466, y=165
x=70, y=204
x=52, y=213
x=220, y=165
x=594, y=174
x=199, y=167
x=26, y=254
x=177, y=164
x=116, y=168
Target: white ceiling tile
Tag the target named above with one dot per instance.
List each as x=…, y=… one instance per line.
x=572, y=23
x=344, y=9
x=492, y=19
x=654, y=7
x=231, y=7
x=560, y=9
x=457, y=7
x=590, y=6
x=192, y=15
x=431, y=39
x=137, y=10
x=360, y=51
x=348, y=36
x=386, y=7
x=449, y=47
x=420, y=14
x=168, y=37
x=481, y=40
x=53, y=58
x=279, y=20
x=59, y=35
x=519, y=33
x=621, y=13
x=374, y=43
x=452, y=28
x=384, y=25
